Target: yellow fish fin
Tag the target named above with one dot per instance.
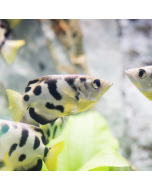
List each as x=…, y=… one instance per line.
x=16, y=105
x=51, y=159
x=10, y=48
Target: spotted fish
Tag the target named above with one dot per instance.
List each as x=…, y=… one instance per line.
x=22, y=147
x=142, y=79
x=8, y=48
x=54, y=96
x=54, y=129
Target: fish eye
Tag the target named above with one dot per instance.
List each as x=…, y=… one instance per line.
x=142, y=73
x=96, y=83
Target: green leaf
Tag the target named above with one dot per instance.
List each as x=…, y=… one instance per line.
x=106, y=157
x=85, y=135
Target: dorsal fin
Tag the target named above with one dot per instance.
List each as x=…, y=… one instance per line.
x=36, y=81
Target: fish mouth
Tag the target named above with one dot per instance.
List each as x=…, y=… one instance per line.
x=131, y=76
x=107, y=85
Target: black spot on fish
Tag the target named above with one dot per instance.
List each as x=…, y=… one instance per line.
x=13, y=148
x=36, y=143
x=25, y=134
x=22, y=157
x=70, y=81
x=43, y=137
x=37, y=167
x=33, y=82
x=39, y=130
x=48, y=133
x=4, y=129
x=37, y=91
x=26, y=97
x=60, y=108
x=38, y=118
x=44, y=140
x=55, y=128
x=27, y=89
x=77, y=96
x=46, y=150
x=51, y=106
x=83, y=79
x=52, y=86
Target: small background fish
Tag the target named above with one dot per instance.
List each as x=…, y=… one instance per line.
x=142, y=79
x=8, y=48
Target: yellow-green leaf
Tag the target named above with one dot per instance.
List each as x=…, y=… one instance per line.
x=106, y=157
x=85, y=135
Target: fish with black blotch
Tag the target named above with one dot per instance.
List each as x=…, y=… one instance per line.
x=142, y=79
x=54, y=129
x=22, y=147
x=54, y=96
x=8, y=48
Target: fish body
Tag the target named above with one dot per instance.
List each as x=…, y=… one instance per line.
x=142, y=79
x=54, y=96
x=54, y=129
x=8, y=48
x=22, y=147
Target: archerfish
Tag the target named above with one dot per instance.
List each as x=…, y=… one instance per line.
x=22, y=147
x=54, y=129
x=54, y=96
x=142, y=79
x=8, y=48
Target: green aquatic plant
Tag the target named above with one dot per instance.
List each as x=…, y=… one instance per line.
x=89, y=145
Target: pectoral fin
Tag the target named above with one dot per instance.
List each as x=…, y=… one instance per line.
x=69, y=91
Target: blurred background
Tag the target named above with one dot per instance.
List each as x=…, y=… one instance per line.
x=101, y=48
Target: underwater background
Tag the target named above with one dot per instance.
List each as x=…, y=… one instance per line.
x=101, y=48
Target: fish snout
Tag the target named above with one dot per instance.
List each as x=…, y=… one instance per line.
x=108, y=85
x=131, y=75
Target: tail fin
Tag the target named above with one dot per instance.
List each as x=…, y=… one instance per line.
x=16, y=105
x=10, y=48
x=51, y=159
